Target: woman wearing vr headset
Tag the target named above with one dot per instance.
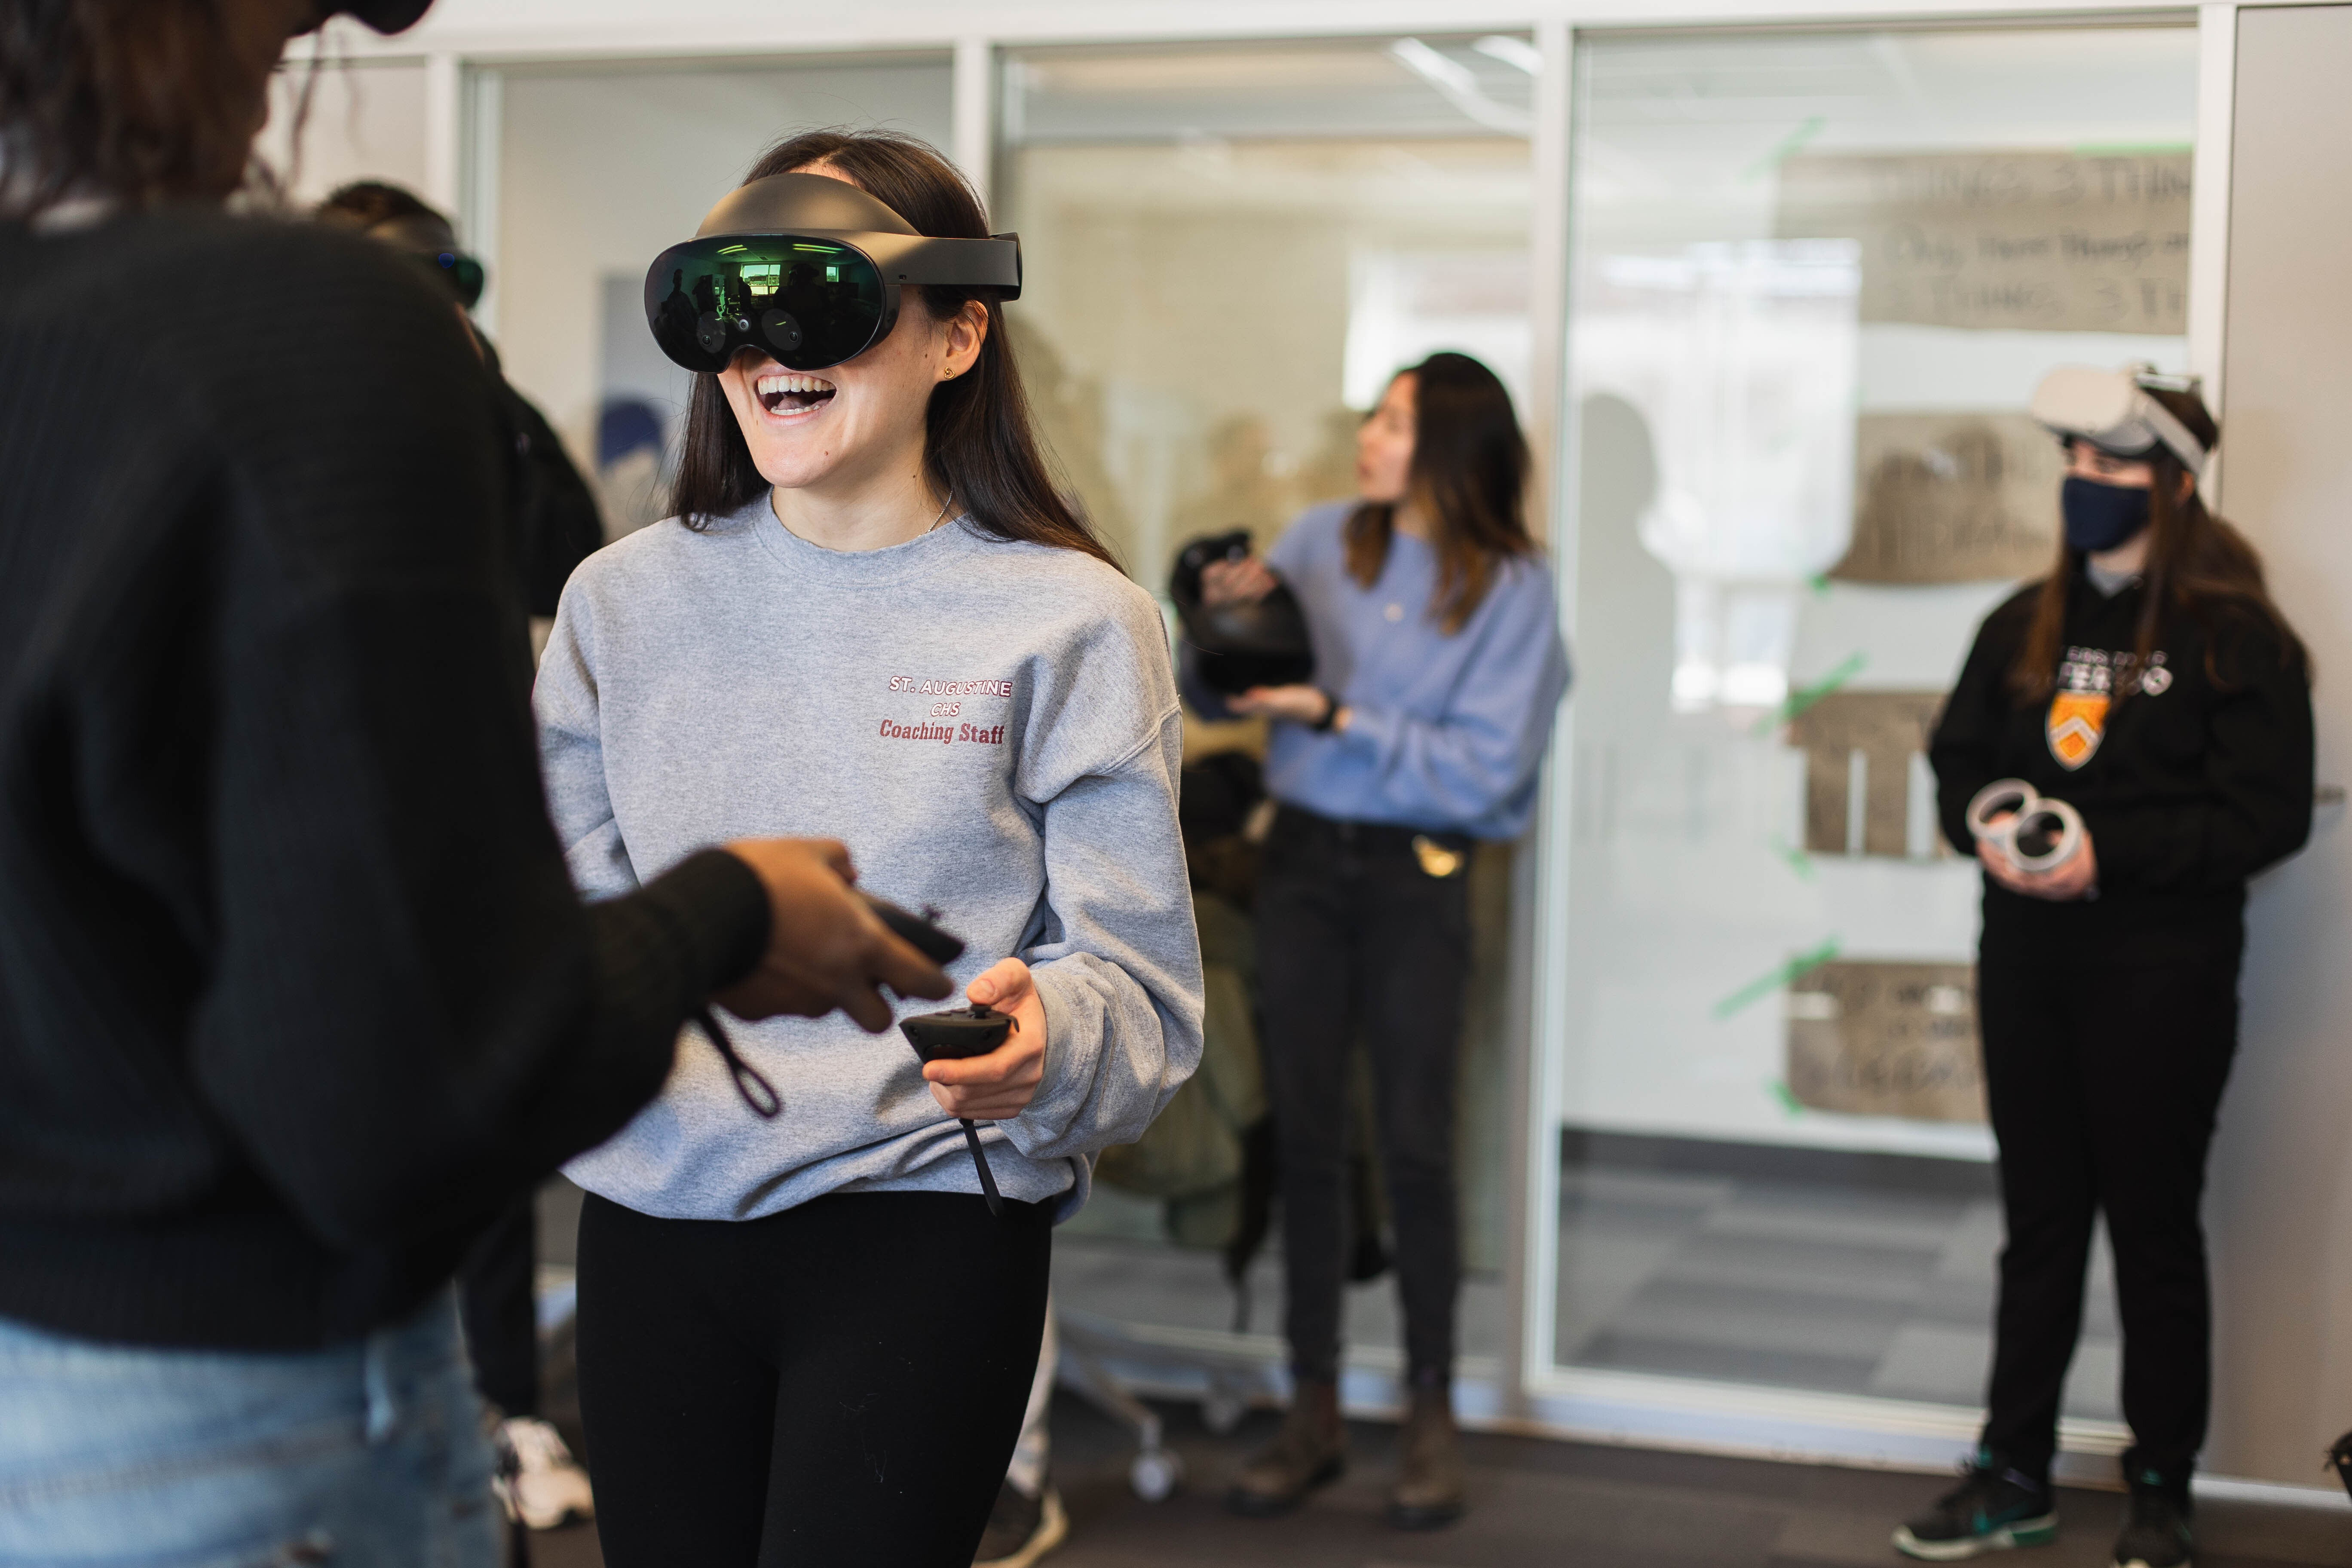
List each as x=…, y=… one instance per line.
x=812, y=1341
x=1439, y=668
x=2150, y=683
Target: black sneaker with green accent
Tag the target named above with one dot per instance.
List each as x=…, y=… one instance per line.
x=1991, y=1510
x=2156, y=1529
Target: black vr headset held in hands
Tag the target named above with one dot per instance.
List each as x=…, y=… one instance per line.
x=1262, y=642
x=807, y=268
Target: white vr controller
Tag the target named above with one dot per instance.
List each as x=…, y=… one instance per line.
x=2015, y=802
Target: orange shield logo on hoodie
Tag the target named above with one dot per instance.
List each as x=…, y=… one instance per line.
x=2077, y=720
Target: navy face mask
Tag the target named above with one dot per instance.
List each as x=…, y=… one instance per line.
x=2100, y=516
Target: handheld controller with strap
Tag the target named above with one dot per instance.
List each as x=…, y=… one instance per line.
x=919, y=932
x=958, y=1033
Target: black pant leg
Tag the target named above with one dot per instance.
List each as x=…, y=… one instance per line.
x=680, y=1412
x=1415, y=972
x=2034, y=1089
x=496, y=1301
x=2158, y=1056
x=1305, y=957
x=912, y=1322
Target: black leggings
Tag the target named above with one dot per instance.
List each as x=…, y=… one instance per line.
x=840, y=1383
x=2104, y=1072
x=1357, y=941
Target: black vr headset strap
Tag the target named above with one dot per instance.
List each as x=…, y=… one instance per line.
x=992, y=263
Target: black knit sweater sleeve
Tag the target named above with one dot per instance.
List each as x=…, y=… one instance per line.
x=2254, y=806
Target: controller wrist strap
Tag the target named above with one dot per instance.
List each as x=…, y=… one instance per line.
x=749, y=1081
x=980, y=1161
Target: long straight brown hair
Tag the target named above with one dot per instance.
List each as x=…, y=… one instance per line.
x=980, y=448
x=1469, y=478
x=2198, y=565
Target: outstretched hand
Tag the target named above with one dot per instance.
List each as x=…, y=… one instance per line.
x=999, y=1086
x=826, y=947
x=1242, y=581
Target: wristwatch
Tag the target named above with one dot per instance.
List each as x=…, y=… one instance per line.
x=1330, y=714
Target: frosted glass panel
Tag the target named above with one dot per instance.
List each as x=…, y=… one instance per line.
x=1815, y=278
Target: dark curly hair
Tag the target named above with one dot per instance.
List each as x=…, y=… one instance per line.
x=134, y=100
x=371, y=204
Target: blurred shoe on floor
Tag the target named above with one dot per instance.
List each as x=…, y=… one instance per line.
x=541, y=1485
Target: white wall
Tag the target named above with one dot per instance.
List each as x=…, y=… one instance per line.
x=366, y=122
x=2281, y=1214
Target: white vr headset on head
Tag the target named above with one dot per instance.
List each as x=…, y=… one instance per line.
x=2111, y=409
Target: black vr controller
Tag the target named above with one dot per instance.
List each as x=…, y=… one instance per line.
x=1237, y=646
x=951, y=1036
x=916, y=931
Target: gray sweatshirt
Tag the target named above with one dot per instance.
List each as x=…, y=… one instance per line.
x=991, y=727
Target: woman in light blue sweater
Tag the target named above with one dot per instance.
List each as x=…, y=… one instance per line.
x=1438, y=670
x=808, y=1339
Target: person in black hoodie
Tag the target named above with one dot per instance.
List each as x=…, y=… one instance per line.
x=2149, y=683
x=295, y=991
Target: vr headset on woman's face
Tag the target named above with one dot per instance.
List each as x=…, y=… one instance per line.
x=2111, y=410
x=806, y=269
x=384, y=15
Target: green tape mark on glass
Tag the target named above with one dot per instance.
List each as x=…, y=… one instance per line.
x=1799, y=861
x=1763, y=985
x=1780, y=1091
x=1786, y=147
x=1804, y=696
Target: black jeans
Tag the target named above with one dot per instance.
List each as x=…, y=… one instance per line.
x=2103, y=1073
x=1358, y=941
x=840, y=1383
x=497, y=1300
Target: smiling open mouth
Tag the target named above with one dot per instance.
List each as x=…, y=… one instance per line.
x=785, y=394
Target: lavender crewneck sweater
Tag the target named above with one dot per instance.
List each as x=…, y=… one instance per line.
x=1447, y=730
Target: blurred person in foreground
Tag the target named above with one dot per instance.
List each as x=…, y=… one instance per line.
x=295, y=993
x=554, y=517
x=552, y=525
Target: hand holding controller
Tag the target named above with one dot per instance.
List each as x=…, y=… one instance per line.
x=985, y=1061
x=958, y=1035
x=828, y=946
x=918, y=932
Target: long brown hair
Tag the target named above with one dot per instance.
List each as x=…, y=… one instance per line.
x=2199, y=566
x=1469, y=478
x=136, y=101
x=980, y=446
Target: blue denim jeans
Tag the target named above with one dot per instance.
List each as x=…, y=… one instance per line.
x=370, y=1455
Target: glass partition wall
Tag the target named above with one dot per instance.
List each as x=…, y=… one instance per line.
x=1815, y=277
x=1229, y=250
